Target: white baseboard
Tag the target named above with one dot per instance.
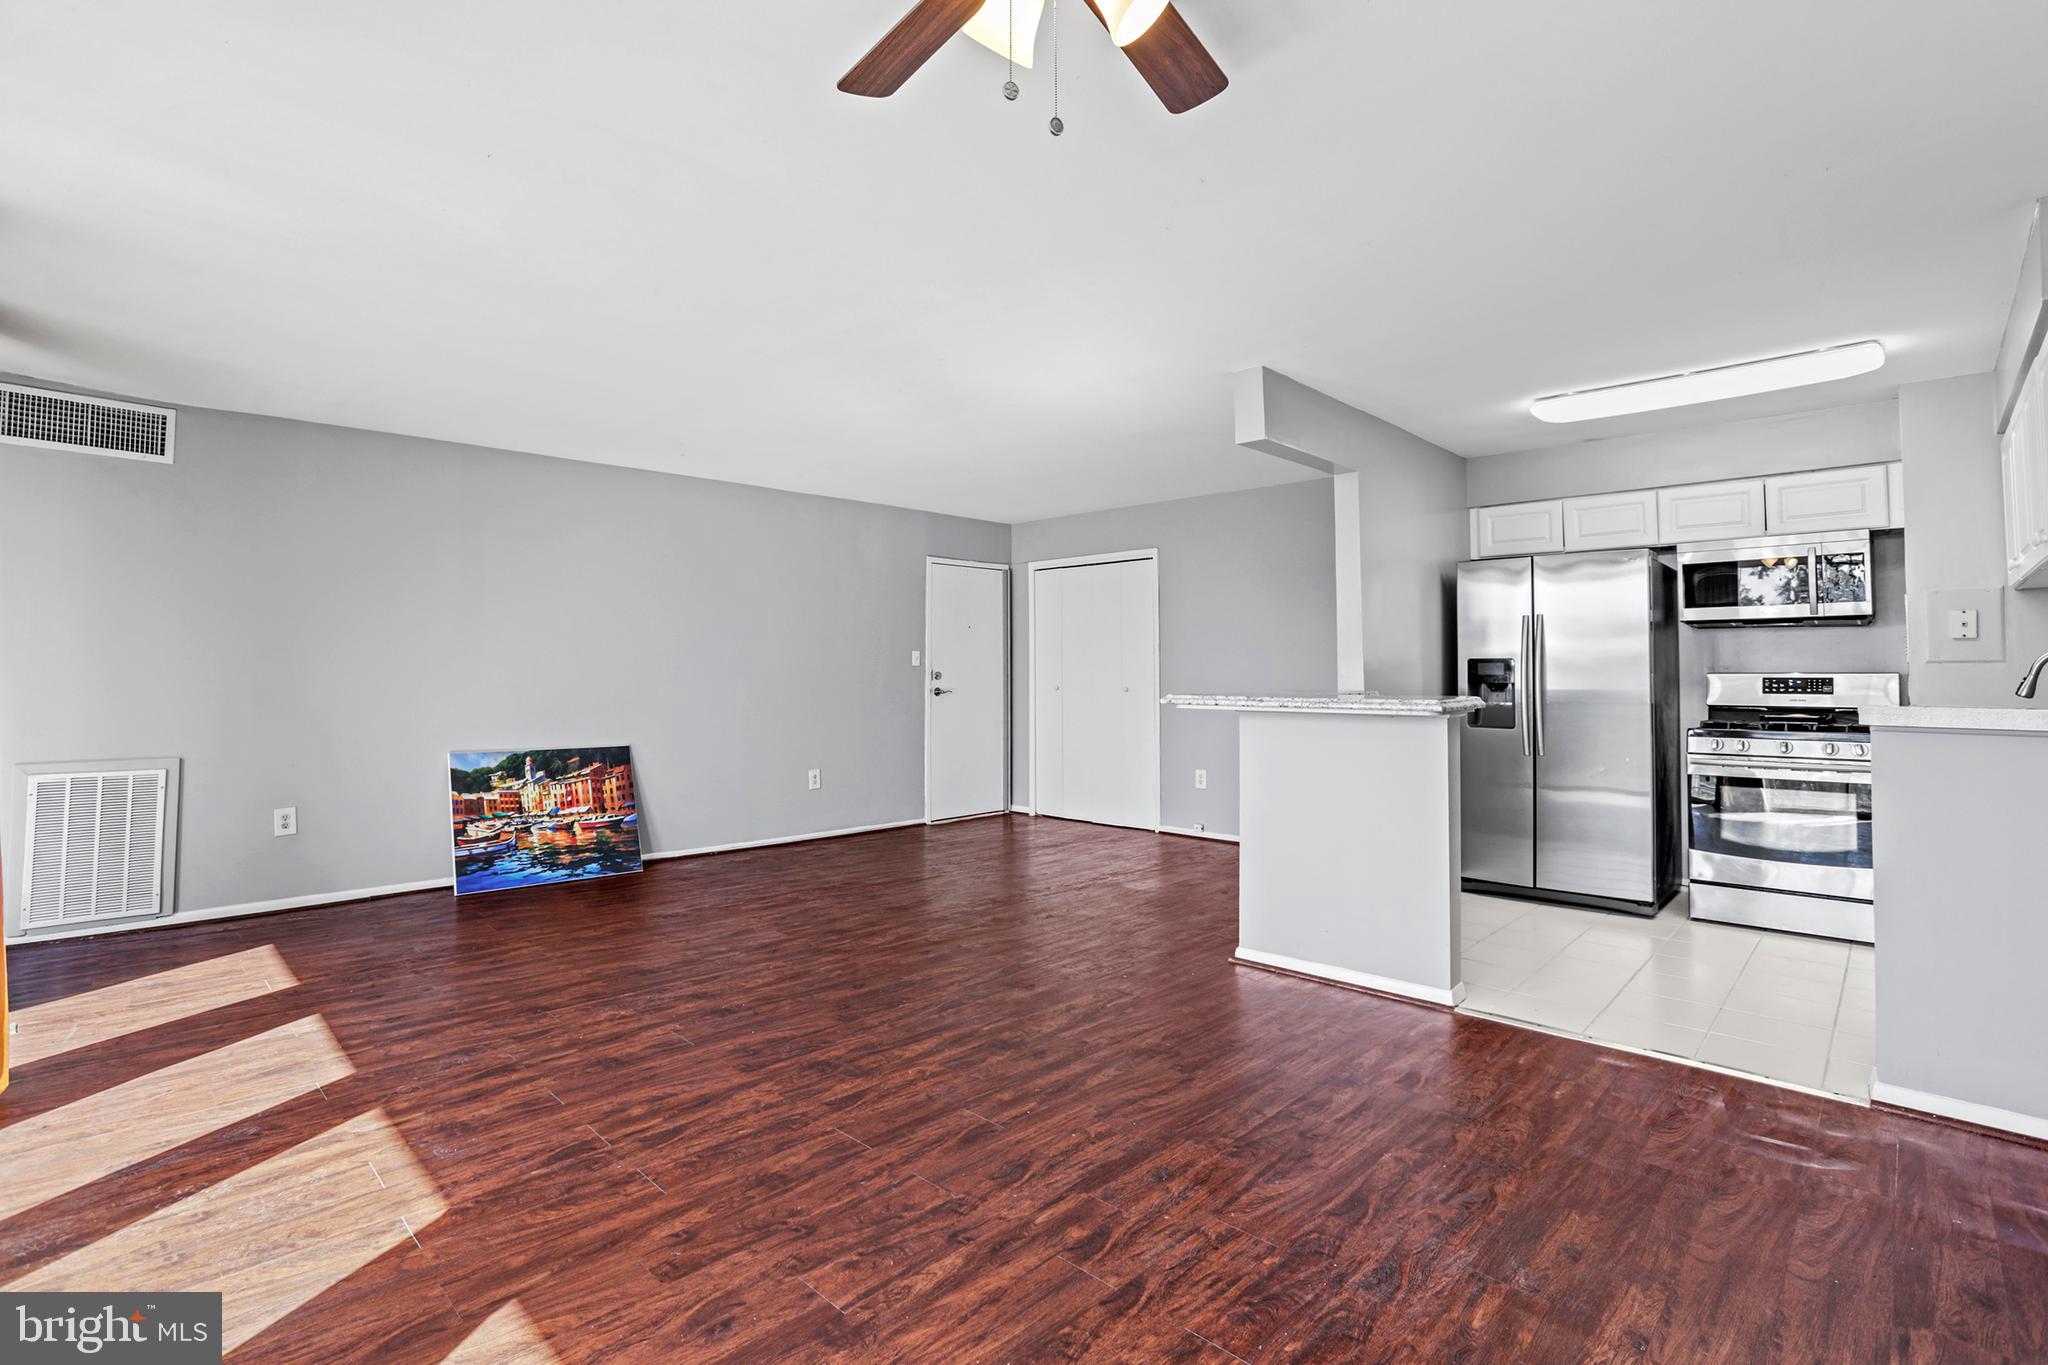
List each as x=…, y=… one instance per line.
x=778, y=839
x=1966, y=1111
x=234, y=911
x=1020, y=810
x=1198, y=834
x=1345, y=976
x=401, y=888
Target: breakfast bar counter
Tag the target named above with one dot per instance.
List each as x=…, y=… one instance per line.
x=1348, y=818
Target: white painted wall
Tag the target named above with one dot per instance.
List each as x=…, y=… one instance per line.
x=314, y=616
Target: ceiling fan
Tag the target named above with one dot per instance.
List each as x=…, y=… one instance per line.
x=1151, y=32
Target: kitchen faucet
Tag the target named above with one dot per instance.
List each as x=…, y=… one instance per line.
x=2032, y=682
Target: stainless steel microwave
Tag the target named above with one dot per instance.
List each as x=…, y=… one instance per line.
x=1777, y=581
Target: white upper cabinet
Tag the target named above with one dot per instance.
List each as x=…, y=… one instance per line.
x=1523, y=528
x=1854, y=499
x=2023, y=418
x=2023, y=451
x=1611, y=521
x=1711, y=511
x=2025, y=324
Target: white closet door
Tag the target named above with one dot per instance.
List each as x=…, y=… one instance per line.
x=1096, y=664
x=1048, y=661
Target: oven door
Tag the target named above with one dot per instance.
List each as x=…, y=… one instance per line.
x=1794, y=827
x=1759, y=581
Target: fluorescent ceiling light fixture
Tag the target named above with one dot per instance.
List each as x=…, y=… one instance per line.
x=1705, y=386
x=1128, y=20
x=990, y=27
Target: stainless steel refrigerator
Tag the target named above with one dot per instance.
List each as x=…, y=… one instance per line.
x=1570, y=768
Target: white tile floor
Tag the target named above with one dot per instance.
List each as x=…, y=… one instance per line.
x=1783, y=1007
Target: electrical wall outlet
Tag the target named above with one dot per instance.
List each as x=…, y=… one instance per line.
x=815, y=782
x=1201, y=779
x=283, y=821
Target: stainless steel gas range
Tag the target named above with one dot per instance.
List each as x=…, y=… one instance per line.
x=1779, y=784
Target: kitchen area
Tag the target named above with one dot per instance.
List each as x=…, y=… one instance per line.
x=1667, y=791
x=1734, y=749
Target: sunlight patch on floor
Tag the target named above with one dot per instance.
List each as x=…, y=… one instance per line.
x=506, y=1337
x=89, y=1139
x=272, y=1237
x=59, y=1026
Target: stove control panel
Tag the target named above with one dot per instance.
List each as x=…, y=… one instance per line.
x=1845, y=749
x=1799, y=687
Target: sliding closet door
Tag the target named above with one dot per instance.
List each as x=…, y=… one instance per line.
x=1096, y=693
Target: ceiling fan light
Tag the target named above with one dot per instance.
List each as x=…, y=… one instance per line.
x=1130, y=19
x=1706, y=386
x=990, y=27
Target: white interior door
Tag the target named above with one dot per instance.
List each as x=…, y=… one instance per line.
x=966, y=671
x=1094, y=664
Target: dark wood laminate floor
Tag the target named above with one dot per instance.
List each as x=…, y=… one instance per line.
x=988, y=1091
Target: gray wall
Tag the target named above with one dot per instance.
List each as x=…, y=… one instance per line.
x=1879, y=647
x=1401, y=528
x=1247, y=603
x=1863, y=433
x=1412, y=532
x=1961, y=933
x=1955, y=551
x=315, y=616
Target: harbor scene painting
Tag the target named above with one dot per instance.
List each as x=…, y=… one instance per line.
x=528, y=817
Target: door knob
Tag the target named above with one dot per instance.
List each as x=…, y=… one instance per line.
x=941, y=691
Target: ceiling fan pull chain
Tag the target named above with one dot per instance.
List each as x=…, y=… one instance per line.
x=1010, y=85
x=1058, y=127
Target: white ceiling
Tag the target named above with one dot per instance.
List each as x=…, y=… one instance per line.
x=653, y=234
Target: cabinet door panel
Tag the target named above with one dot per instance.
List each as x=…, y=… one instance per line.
x=1856, y=499
x=1528, y=528
x=1611, y=521
x=1711, y=511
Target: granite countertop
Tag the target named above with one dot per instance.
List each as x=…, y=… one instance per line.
x=1343, y=703
x=1991, y=718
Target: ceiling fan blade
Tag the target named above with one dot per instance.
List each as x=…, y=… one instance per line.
x=909, y=46
x=1173, y=62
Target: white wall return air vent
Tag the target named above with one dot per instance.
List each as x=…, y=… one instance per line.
x=100, y=845
x=96, y=426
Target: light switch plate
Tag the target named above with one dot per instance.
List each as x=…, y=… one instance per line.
x=917, y=658
x=1934, y=617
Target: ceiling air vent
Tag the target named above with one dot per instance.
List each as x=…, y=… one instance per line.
x=98, y=426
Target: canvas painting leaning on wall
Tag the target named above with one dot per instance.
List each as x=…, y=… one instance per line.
x=530, y=817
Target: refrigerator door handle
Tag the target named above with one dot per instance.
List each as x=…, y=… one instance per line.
x=1536, y=682
x=1525, y=719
